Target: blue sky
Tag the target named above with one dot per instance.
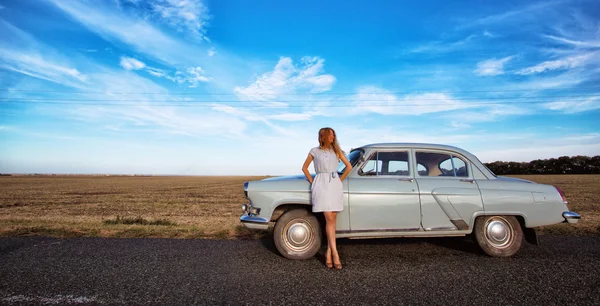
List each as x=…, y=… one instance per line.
x=192, y=87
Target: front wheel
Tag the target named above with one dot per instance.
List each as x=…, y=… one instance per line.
x=297, y=234
x=498, y=236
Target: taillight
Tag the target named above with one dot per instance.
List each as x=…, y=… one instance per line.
x=562, y=195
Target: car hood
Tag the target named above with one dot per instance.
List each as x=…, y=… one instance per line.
x=287, y=178
x=513, y=179
x=290, y=183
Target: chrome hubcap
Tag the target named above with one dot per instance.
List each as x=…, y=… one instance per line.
x=498, y=232
x=298, y=235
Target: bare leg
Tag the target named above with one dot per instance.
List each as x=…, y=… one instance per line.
x=330, y=218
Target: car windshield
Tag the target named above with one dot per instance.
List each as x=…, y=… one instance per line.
x=352, y=157
x=486, y=167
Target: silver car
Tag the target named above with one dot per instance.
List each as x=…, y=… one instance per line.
x=409, y=190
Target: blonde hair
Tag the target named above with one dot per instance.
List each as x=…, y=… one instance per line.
x=334, y=145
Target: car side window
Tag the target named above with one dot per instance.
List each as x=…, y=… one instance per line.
x=460, y=167
x=387, y=163
x=371, y=167
x=440, y=164
x=422, y=170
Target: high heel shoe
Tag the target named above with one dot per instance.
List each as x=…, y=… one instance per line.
x=328, y=264
x=338, y=266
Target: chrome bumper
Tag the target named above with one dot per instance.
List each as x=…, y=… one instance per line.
x=571, y=217
x=254, y=222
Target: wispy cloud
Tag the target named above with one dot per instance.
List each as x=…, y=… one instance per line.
x=140, y=34
x=577, y=43
x=572, y=106
x=565, y=80
x=564, y=63
x=441, y=46
x=510, y=15
x=37, y=66
x=155, y=44
x=489, y=34
x=212, y=51
x=23, y=56
x=292, y=116
x=115, y=96
x=192, y=76
x=190, y=15
x=143, y=116
x=492, y=66
x=378, y=100
x=130, y=63
x=485, y=113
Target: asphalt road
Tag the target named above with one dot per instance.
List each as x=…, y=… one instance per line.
x=451, y=271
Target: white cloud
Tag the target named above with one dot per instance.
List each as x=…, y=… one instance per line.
x=576, y=43
x=195, y=75
x=564, y=63
x=487, y=33
x=441, y=46
x=571, y=106
x=567, y=79
x=191, y=15
x=487, y=113
x=22, y=53
x=377, y=100
x=144, y=116
x=492, y=67
x=459, y=125
x=212, y=51
x=192, y=76
x=287, y=78
x=155, y=72
x=38, y=66
x=130, y=63
x=291, y=116
x=241, y=112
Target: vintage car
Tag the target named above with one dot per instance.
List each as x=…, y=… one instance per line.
x=409, y=190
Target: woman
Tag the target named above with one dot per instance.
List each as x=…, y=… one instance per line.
x=327, y=194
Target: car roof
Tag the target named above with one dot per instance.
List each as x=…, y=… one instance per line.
x=411, y=145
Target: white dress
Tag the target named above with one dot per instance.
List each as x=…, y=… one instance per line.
x=327, y=192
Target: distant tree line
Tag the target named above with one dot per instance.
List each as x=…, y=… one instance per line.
x=562, y=165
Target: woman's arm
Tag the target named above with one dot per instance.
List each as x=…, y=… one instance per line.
x=348, y=167
x=307, y=162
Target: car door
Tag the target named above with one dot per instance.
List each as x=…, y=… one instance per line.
x=382, y=193
x=448, y=193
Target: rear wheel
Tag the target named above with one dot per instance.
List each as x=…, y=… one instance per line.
x=297, y=234
x=498, y=236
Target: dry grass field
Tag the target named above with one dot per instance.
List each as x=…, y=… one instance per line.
x=185, y=207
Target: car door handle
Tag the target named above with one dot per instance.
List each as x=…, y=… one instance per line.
x=406, y=179
x=468, y=181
